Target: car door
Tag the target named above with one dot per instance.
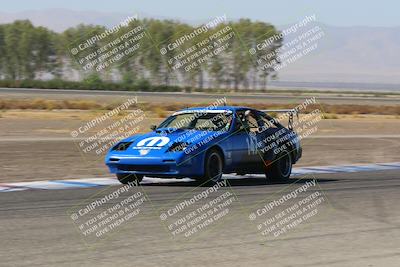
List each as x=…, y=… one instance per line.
x=244, y=140
x=269, y=134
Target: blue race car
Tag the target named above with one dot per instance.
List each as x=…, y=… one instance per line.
x=205, y=142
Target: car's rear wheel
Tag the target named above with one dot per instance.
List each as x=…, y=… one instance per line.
x=129, y=178
x=213, y=166
x=281, y=168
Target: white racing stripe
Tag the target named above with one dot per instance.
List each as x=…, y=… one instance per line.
x=94, y=182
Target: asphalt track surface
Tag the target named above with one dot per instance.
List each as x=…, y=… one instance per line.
x=173, y=96
x=357, y=225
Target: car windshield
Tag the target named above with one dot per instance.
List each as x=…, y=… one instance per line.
x=204, y=121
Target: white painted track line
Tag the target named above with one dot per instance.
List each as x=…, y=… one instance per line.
x=94, y=182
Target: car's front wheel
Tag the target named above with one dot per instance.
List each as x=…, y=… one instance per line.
x=281, y=168
x=129, y=178
x=213, y=166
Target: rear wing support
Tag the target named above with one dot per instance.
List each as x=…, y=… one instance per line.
x=290, y=112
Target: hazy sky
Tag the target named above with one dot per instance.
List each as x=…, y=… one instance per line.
x=334, y=12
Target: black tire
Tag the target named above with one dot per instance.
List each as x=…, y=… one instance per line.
x=213, y=166
x=281, y=168
x=129, y=178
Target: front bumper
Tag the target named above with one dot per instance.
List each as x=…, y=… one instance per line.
x=155, y=166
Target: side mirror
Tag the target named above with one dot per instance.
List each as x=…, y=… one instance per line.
x=153, y=127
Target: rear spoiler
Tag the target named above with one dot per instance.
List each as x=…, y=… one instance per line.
x=290, y=112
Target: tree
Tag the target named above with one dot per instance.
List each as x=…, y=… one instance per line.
x=28, y=52
x=2, y=50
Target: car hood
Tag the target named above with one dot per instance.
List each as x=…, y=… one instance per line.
x=157, y=143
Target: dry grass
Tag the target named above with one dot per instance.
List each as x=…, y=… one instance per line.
x=328, y=116
x=46, y=104
x=162, y=110
x=326, y=108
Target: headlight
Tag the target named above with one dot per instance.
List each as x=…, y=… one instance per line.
x=178, y=146
x=122, y=146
